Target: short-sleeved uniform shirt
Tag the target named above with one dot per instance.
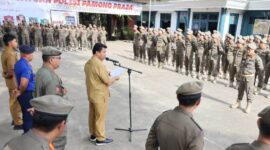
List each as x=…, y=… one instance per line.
x=48, y=83
x=24, y=70
x=8, y=60
x=28, y=141
x=256, y=145
x=175, y=130
x=97, y=80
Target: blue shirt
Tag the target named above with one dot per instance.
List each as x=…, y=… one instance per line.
x=24, y=70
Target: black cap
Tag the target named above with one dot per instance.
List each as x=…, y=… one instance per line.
x=26, y=49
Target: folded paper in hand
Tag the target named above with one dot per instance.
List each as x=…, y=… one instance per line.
x=117, y=72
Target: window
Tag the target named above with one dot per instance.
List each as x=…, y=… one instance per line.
x=213, y=17
x=196, y=16
x=203, y=16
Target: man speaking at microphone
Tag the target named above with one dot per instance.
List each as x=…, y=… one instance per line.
x=97, y=84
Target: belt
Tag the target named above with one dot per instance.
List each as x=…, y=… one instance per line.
x=248, y=75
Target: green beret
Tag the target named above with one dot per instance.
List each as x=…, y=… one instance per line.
x=50, y=51
x=190, y=88
x=52, y=104
x=265, y=115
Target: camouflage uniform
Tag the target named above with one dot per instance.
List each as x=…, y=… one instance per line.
x=38, y=37
x=136, y=44
x=50, y=36
x=24, y=30
x=180, y=53
x=248, y=67
x=191, y=48
x=215, y=52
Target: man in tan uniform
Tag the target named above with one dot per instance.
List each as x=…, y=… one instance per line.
x=262, y=143
x=8, y=60
x=97, y=84
x=178, y=124
x=49, y=121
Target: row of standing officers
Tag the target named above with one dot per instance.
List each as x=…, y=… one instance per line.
x=204, y=55
x=66, y=37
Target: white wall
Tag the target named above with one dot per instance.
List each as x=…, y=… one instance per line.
x=173, y=21
x=226, y=25
x=239, y=25
x=157, y=21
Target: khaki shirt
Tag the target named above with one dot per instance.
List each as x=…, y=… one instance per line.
x=28, y=141
x=175, y=130
x=8, y=60
x=256, y=145
x=97, y=80
x=48, y=83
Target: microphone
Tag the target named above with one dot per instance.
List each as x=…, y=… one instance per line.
x=114, y=61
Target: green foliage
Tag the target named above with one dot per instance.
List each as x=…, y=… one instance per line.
x=127, y=33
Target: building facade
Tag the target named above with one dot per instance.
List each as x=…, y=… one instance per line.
x=236, y=17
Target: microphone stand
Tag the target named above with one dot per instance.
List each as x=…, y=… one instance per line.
x=130, y=129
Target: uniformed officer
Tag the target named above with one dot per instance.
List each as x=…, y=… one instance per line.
x=149, y=45
x=262, y=143
x=167, y=130
x=50, y=36
x=62, y=38
x=143, y=40
x=199, y=55
x=50, y=115
x=214, y=57
x=26, y=83
x=173, y=49
x=191, y=48
x=103, y=37
x=94, y=37
x=89, y=34
x=248, y=66
x=153, y=48
x=24, y=30
x=169, y=36
x=84, y=38
x=207, y=47
x=49, y=83
x=72, y=39
x=180, y=52
x=136, y=43
x=1, y=36
x=38, y=36
x=161, y=47
x=8, y=60
x=97, y=84
x=237, y=55
x=263, y=52
x=229, y=48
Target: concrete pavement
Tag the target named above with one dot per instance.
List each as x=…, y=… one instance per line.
x=152, y=93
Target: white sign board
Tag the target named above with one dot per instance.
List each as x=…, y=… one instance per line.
x=41, y=8
x=64, y=17
x=261, y=26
